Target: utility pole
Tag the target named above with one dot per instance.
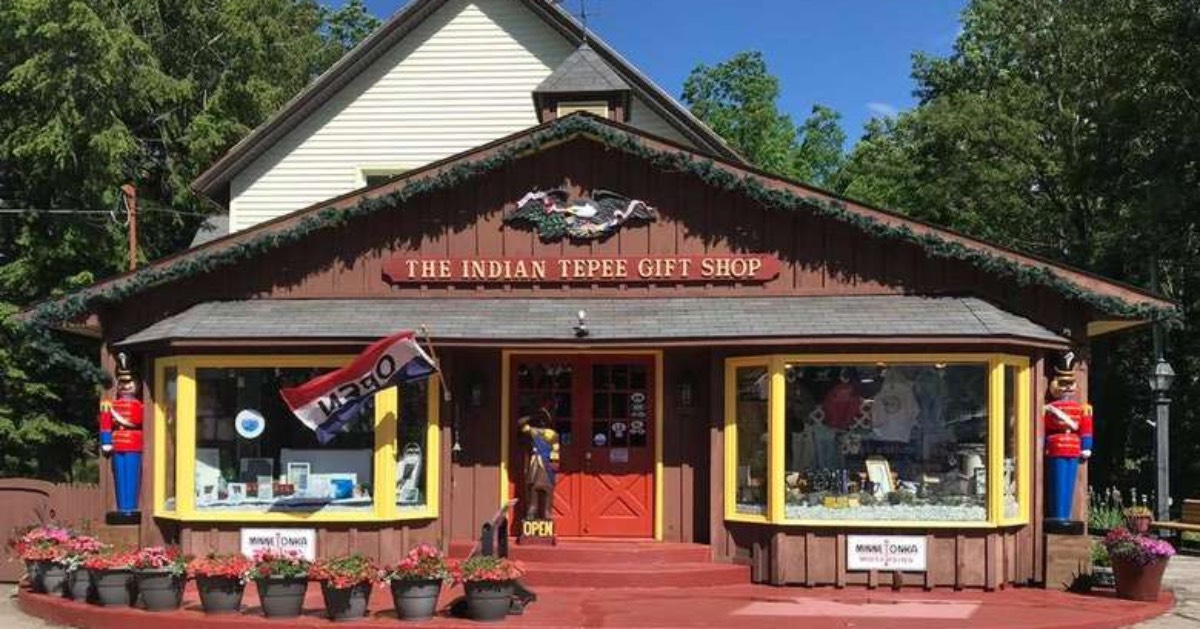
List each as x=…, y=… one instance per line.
x=129, y=193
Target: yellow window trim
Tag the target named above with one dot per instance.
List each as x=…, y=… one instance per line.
x=777, y=496
x=386, y=421
x=505, y=417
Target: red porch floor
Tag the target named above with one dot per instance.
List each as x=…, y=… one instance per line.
x=722, y=606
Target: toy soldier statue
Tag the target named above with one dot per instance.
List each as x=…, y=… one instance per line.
x=121, y=438
x=1068, y=425
x=543, y=463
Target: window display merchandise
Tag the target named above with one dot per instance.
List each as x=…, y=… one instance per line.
x=903, y=442
x=268, y=464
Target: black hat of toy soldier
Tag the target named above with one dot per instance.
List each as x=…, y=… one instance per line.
x=125, y=381
x=1062, y=380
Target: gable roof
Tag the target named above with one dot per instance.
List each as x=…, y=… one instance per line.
x=1116, y=304
x=214, y=181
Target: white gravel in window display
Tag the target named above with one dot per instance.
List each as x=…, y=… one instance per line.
x=908, y=513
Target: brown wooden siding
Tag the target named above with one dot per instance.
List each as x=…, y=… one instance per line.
x=819, y=256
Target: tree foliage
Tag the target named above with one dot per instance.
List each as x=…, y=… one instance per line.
x=97, y=93
x=1071, y=129
x=739, y=98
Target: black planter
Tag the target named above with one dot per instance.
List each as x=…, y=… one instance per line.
x=54, y=580
x=114, y=588
x=416, y=600
x=220, y=595
x=282, y=598
x=488, y=601
x=160, y=590
x=344, y=604
x=79, y=585
x=36, y=570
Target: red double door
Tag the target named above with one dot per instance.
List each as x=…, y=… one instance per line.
x=603, y=409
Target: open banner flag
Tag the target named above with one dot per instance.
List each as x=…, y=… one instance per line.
x=327, y=403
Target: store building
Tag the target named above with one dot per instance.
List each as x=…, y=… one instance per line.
x=730, y=358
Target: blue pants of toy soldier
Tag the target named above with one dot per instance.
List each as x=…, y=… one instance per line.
x=127, y=476
x=1060, y=484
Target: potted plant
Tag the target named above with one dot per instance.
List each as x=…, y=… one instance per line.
x=416, y=582
x=282, y=582
x=489, y=584
x=346, y=584
x=1102, y=572
x=160, y=573
x=221, y=581
x=112, y=577
x=41, y=549
x=1138, y=563
x=1138, y=518
x=75, y=553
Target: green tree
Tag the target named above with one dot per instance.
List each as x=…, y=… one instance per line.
x=97, y=93
x=1070, y=129
x=739, y=98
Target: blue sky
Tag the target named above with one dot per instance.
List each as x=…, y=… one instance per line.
x=852, y=55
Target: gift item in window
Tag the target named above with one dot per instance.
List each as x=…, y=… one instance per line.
x=879, y=471
x=842, y=404
x=828, y=450
x=637, y=433
x=408, y=476
x=251, y=469
x=971, y=468
x=894, y=410
x=851, y=443
x=235, y=493
x=929, y=386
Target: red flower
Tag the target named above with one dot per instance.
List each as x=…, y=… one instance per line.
x=233, y=566
x=423, y=563
x=481, y=568
x=345, y=572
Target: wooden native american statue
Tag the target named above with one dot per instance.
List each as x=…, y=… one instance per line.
x=543, y=462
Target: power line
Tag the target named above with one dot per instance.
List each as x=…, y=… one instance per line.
x=34, y=210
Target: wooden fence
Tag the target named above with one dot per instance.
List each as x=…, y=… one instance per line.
x=25, y=501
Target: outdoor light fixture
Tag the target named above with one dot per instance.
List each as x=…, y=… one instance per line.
x=581, y=328
x=1160, y=380
x=1162, y=377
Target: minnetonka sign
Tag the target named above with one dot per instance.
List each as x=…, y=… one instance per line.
x=615, y=269
x=302, y=541
x=901, y=553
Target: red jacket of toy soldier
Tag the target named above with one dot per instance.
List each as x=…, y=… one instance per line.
x=121, y=418
x=1067, y=421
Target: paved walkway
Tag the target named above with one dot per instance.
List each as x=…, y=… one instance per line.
x=1183, y=576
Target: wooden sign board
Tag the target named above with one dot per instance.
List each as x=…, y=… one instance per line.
x=755, y=268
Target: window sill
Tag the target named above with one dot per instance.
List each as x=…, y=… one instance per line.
x=296, y=517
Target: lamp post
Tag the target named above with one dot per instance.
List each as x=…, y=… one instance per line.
x=1161, y=380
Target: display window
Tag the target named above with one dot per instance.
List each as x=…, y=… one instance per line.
x=893, y=440
x=748, y=441
x=243, y=456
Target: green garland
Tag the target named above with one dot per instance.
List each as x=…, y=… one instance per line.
x=84, y=301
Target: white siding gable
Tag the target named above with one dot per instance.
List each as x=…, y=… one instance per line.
x=461, y=79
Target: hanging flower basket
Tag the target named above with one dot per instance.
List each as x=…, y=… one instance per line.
x=489, y=583
x=221, y=581
x=1139, y=562
x=160, y=574
x=346, y=584
x=416, y=582
x=282, y=582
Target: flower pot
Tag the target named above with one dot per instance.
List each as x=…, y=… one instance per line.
x=343, y=604
x=79, y=584
x=36, y=571
x=282, y=597
x=160, y=590
x=416, y=600
x=1139, y=583
x=488, y=601
x=220, y=595
x=114, y=588
x=54, y=580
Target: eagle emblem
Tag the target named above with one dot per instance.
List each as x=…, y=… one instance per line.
x=555, y=214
